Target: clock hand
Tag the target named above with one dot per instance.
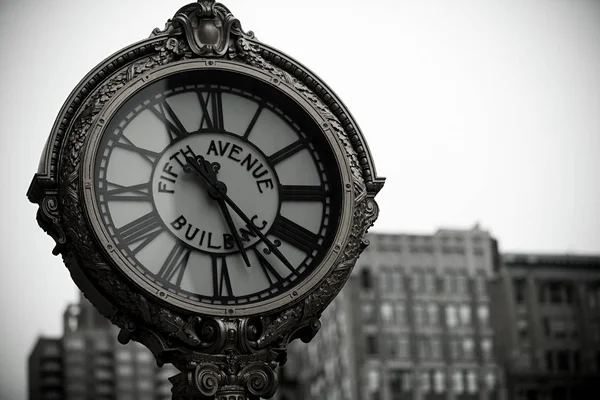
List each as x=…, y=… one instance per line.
x=207, y=171
x=251, y=225
x=233, y=230
x=216, y=190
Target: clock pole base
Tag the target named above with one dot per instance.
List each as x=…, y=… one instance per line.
x=209, y=382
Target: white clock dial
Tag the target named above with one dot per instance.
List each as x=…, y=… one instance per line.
x=215, y=194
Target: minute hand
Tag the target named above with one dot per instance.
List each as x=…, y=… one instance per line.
x=251, y=225
x=210, y=179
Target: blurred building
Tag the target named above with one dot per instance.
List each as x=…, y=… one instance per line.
x=88, y=363
x=326, y=367
x=548, y=325
x=45, y=370
x=413, y=322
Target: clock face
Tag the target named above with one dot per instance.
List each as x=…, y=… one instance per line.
x=216, y=189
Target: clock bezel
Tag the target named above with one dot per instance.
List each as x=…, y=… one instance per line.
x=288, y=296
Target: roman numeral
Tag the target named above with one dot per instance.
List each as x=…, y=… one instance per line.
x=302, y=193
x=294, y=234
x=271, y=273
x=165, y=113
x=221, y=280
x=212, y=110
x=175, y=264
x=118, y=192
x=253, y=121
x=286, y=152
x=127, y=144
x=143, y=230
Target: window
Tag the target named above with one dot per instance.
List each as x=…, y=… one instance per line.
x=549, y=361
x=367, y=312
x=366, y=279
x=450, y=282
x=430, y=282
x=439, y=382
x=451, y=317
x=522, y=328
x=124, y=370
x=398, y=281
x=424, y=349
x=490, y=380
x=425, y=382
x=596, y=330
x=556, y=292
x=562, y=360
x=457, y=382
x=432, y=311
x=461, y=283
x=403, y=348
x=387, y=312
x=386, y=281
x=400, y=313
x=399, y=381
x=554, y=289
x=51, y=366
x=519, y=285
x=486, y=349
x=373, y=380
x=145, y=356
x=419, y=315
x=102, y=374
x=560, y=328
x=465, y=314
x=593, y=295
x=391, y=346
x=471, y=382
x=418, y=282
x=455, y=349
x=483, y=313
x=576, y=361
x=103, y=389
x=372, y=349
x=481, y=285
x=74, y=343
x=102, y=344
x=436, y=349
x=468, y=348
x=568, y=293
x=124, y=354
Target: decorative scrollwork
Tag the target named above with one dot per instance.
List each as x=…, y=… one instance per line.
x=208, y=27
x=259, y=379
x=220, y=357
x=48, y=220
x=208, y=378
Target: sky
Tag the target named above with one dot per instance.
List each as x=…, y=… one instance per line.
x=475, y=111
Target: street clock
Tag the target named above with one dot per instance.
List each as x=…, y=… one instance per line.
x=210, y=196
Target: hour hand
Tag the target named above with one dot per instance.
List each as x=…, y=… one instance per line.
x=218, y=191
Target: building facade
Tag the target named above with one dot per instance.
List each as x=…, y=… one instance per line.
x=412, y=323
x=88, y=363
x=45, y=370
x=548, y=321
x=327, y=366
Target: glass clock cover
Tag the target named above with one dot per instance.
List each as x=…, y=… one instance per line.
x=216, y=188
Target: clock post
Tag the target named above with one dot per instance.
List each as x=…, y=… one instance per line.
x=210, y=196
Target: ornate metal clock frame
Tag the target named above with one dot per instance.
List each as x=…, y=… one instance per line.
x=227, y=355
